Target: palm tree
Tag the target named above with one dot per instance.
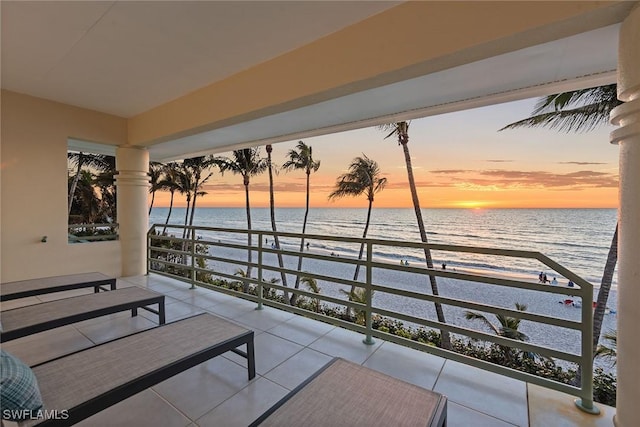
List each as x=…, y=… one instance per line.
x=171, y=183
x=363, y=177
x=508, y=328
x=401, y=131
x=360, y=296
x=581, y=110
x=155, y=177
x=272, y=210
x=302, y=159
x=99, y=162
x=609, y=352
x=246, y=163
x=197, y=168
x=312, y=284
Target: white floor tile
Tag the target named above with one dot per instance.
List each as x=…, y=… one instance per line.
x=201, y=388
x=264, y=319
x=301, y=330
x=270, y=352
x=419, y=368
x=496, y=395
x=244, y=407
x=346, y=344
x=293, y=371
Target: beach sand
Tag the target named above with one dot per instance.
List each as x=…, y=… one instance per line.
x=539, y=302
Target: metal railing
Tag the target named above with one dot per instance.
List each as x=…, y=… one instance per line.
x=204, y=253
x=86, y=233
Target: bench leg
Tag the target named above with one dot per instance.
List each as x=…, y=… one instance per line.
x=161, y=314
x=112, y=283
x=134, y=312
x=251, y=359
x=96, y=289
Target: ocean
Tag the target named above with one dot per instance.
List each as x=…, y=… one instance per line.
x=579, y=239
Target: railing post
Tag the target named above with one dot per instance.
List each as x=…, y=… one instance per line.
x=585, y=403
x=368, y=340
x=151, y=232
x=259, y=307
x=193, y=258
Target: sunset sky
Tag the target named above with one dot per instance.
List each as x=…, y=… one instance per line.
x=459, y=160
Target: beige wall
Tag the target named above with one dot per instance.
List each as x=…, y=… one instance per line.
x=33, y=188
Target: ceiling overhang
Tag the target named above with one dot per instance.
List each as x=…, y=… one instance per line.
x=204, y=77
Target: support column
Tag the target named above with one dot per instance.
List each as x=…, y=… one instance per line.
x=627, y=116
x=132, y=181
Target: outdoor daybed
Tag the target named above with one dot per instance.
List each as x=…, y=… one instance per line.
x=23, y=321
x=348, y=394
x=46, y=285
x=88, y=381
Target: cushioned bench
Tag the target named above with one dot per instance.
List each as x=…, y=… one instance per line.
x=346, y=394
x=88, y=381
x=19, y=322
x=46, y=285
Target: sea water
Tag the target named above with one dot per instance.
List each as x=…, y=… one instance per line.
x=578, y=239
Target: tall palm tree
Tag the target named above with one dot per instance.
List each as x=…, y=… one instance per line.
x=581, y=110
x=246, y=163
x=98, y=162
x=171, y=183
x=272, y=210
x=199, y=171
x=363, y=177
x=156, y=170
x=401, y=131
x=302, y=159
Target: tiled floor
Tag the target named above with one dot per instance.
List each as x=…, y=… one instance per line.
x=289, y=348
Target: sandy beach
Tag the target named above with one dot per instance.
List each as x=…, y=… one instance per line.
x=539, y=302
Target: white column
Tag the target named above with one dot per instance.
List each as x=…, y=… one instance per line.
x=627, y=116
x=132, y=180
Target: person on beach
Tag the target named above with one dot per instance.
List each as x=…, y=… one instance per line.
x=307, y=245
x=540, y=277
x=570, y=284
x=554, y=281
x=544, y=278
x=444, y=265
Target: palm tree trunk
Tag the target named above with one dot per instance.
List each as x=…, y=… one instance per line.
x=74, y=184
x=153, y=197
x=186, y=216
x=164, y=230
x=193, y=205
x=272, y=210
x=444, y=335
x=246, y=191
x=304, y=228
x=605, y=287
x=364, y=234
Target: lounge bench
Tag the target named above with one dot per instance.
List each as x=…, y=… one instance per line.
x=88, y=381
x=23, y=321
x=344, y=393
x=46, y=285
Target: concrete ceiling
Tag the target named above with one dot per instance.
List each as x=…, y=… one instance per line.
x=126, y=57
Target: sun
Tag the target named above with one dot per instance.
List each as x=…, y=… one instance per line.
x=471, y=204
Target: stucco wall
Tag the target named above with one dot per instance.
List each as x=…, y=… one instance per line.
x=33, y=188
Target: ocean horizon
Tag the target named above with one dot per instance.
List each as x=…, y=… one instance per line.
x=578, y=239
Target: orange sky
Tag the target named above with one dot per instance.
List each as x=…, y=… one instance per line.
x=459, y=160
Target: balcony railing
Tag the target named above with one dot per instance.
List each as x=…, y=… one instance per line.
x=216, y=252
x=85, y=233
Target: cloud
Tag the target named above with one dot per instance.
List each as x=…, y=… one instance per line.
x=544, y=179
x=582, y=163
x=450, y=171
x=498, y=161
